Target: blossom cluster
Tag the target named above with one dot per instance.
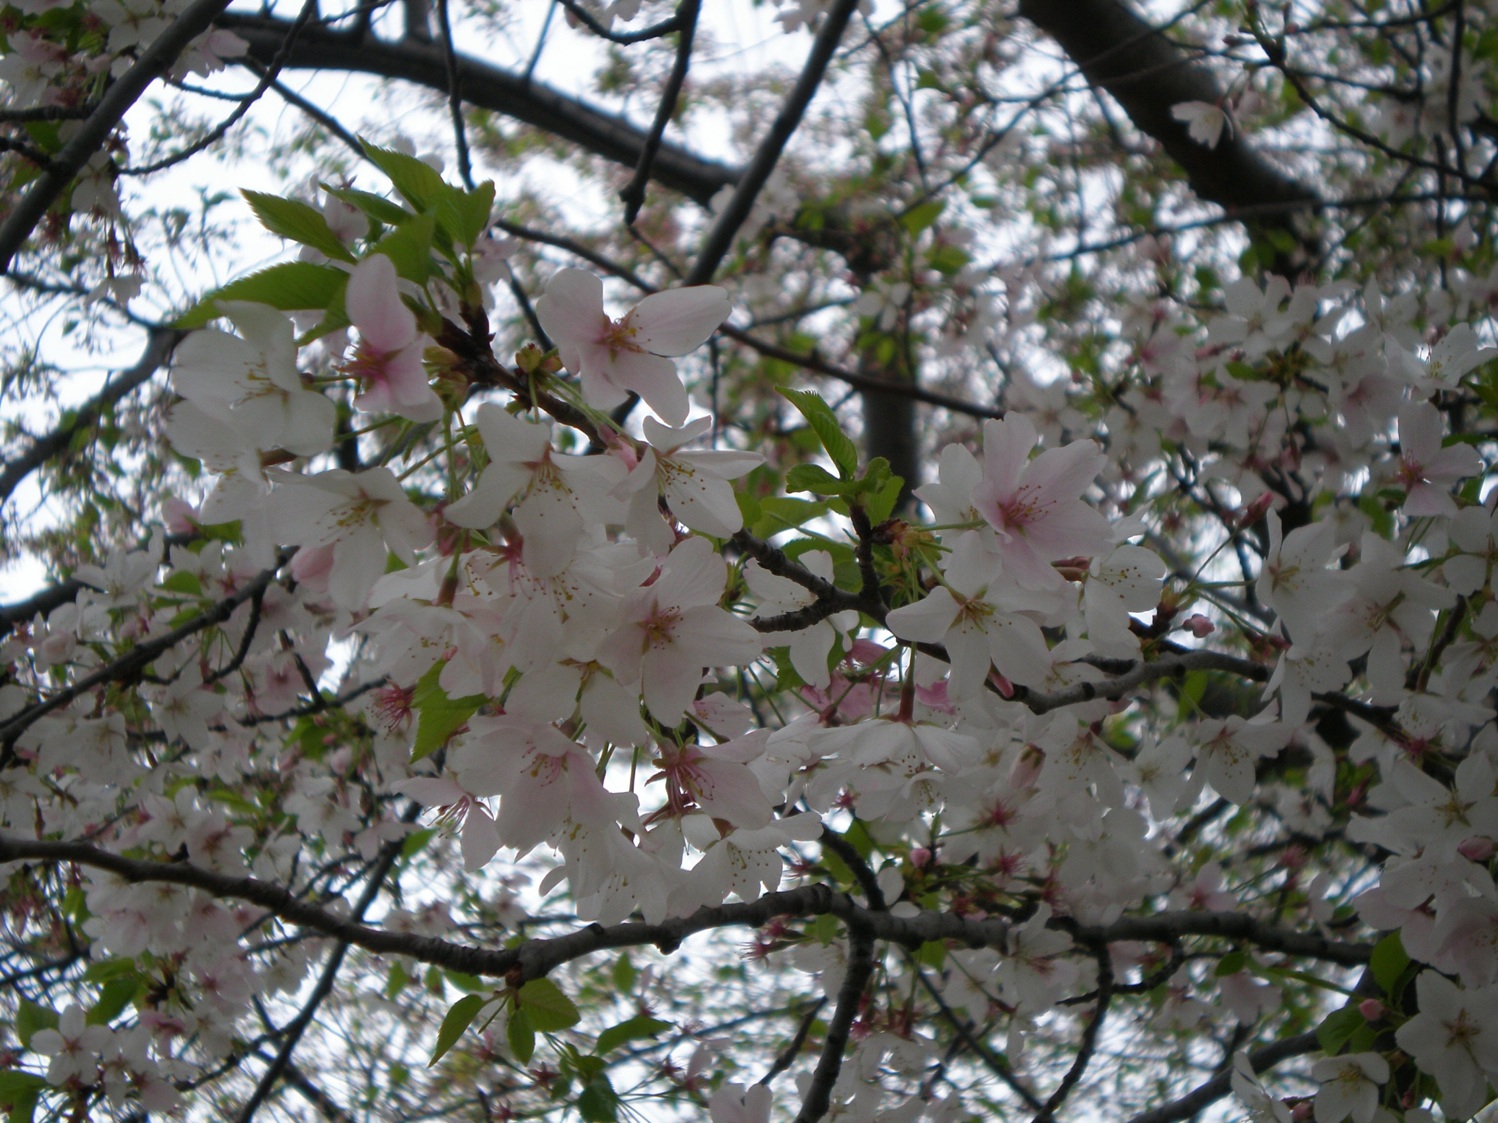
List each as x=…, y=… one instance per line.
x=575, y=641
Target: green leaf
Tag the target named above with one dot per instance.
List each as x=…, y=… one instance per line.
x=409, y=246
x=418, y=182
x=546, y=1006
x=881, y=504
x=183, y=581
x=819, y=415
x=641, y=1025
x=522, y=1036
x=19, y=1092
x=465, y=214
x=948, y=259
x=456, y=1023
x=114, y=996
x=777, y=513
x=438, y=717
x=599, y=1103
x=297, y=221
x=30, y=1018
x=933, y=953
x=465, y=982
x=1337, y=1029
x=1231, y=964
x=291, y=286
x=624, y=974
x=1388, y=963
x=816, y=479
x=416, y=841
x=396, y=981
x=922, y=215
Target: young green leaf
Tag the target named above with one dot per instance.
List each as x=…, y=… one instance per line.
x=819, y=415
x=522, y=1036
x=291, y=286
x=456, y=1023
x=547, y=1007
x=418, y=182
x=641, y=1025
x=438, y=717
x=297, y=221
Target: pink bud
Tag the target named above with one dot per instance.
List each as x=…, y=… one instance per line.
x=1302, y=1111
x=920, y=857
x=1198, y=625
x=1256, y=510
x=1477, y=849
x=1372, y=1009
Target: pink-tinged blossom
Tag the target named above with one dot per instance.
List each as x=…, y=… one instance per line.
x=1454, y=1038
x=745, y=862
x=1426, y=470
x=559, y=496
x=1228, y=751
x=1261, y=1106
x=1391, y=607
x=363, y=517
x=673, y=629
x=1349, y=1086
x=734, y=1103
x=614, y=357
x=1035, y=506
x=715, y=780
x=1295, y=580
x=457, y=810
x=249, y=382
x=388, y=356
x=694, y=484
x=977, y=627
x=74, y=1047
x=1124, y=581
x=1033, y=973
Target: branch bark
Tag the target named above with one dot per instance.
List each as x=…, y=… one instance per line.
x=486, y=87
x=1147, y=74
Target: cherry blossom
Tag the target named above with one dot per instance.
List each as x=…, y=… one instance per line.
x=361, y=516
x=1454, y=1037
x=1349, y=1086
x=1426, y=470
x=692, y=483
x=249, y=382
x=1035, y=506
x=673, y=628
x=633, y=354
x=388, y=357
x=1205, y=123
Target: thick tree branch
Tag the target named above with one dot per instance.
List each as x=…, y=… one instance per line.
x=1147, y=74
x=538, y=957
x=486, y=87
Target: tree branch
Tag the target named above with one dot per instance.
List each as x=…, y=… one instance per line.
x=487, y=87
x=153, y=62
x=767, y=155
x=158, y=349
x=1147, y=74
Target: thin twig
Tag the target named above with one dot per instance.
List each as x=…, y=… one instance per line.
x=633, y=193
